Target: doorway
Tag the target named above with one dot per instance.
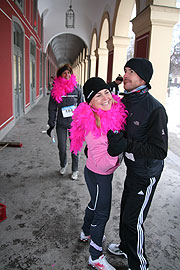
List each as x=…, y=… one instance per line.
x=18, y=82
x=32, y=72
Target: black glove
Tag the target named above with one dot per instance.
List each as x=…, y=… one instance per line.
x=49, y=131
x=86, y=151
x=117, y=143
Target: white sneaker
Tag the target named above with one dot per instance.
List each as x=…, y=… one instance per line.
x=74, y=175
x=63, y=170
x=130, y=268
x=85, y=238
x=114, y=249
x=100, y=264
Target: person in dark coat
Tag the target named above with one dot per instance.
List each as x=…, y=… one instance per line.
x=145, y=145
x=65, y=97
x=114, y=86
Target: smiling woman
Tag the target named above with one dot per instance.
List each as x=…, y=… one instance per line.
x=102, y=100
x=91, y=122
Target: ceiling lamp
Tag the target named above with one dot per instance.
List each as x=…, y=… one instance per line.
x=70, y=17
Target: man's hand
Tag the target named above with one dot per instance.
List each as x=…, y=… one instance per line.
x=117, y=143
x=49, y=131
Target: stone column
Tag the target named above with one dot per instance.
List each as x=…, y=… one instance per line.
x=102, y=54
x=86, y=68
x=82, y=72
x=93, y=65
x=158, y=21
x=119, y=46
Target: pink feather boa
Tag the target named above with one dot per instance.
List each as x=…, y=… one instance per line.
x=62, y=87
x=84, y=122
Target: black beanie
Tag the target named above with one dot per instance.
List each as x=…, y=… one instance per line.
x=92, y=86
x=142, y=67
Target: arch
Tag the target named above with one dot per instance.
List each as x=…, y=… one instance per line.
x=119, y=41
x=102, y=51
x=65, y=48
x=93, y=48
x=104, y=30
x=93, y=44
x=122, y=16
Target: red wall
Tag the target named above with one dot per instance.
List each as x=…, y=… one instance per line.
x=9, y=12
x=6, y=108
x=110, y=65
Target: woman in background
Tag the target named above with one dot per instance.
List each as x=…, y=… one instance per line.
x=65, y=97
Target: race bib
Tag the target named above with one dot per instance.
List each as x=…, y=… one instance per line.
x=68, y=111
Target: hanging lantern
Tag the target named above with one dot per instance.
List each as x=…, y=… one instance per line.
x=70, y=17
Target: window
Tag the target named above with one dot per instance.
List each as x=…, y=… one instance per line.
x=20, y=4
x=35, y=16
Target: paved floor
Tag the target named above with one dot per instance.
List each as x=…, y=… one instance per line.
x=45, y=210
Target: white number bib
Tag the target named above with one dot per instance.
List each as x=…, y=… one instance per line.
x=68, y=111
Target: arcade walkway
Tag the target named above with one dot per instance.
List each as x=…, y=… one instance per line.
x=45, y=210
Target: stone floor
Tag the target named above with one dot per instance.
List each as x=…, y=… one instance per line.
x=45, y=210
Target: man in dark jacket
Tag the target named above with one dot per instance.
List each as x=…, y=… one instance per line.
x=114, y=86
x=145, y=144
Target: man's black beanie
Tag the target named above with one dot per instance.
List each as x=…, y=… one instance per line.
x=92, y=86
x=142, y=67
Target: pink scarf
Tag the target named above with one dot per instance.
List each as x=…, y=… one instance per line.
x=62, y=87
x=84, y=122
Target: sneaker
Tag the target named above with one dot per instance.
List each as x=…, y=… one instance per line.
x=100, y=263
x=63, y=170
x=74, y=175
x=114, y=249
x=85, y=238
x=130, y=268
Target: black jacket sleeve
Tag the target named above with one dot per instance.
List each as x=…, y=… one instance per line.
x=80, y=96
x=156, y=145
x=52, y=112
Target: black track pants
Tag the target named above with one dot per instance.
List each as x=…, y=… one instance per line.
x=98, y=210
x=136, y=200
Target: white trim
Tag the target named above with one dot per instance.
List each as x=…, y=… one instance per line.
x=139, y=226
x=5, y=14
x=94, y=245
x=97, y=195
x=27, y=105
x=27, y=37
x=7, y=121
x=6, y=129
x=36, y=37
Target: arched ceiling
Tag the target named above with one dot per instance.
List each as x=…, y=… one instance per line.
x=66, y=47
x=67, y=43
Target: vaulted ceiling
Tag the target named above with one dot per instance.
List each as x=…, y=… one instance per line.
x=66, y=47
x=67, y=43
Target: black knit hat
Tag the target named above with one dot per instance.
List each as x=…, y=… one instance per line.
x=142, y=67
x=119, y=78
x=92, y=86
